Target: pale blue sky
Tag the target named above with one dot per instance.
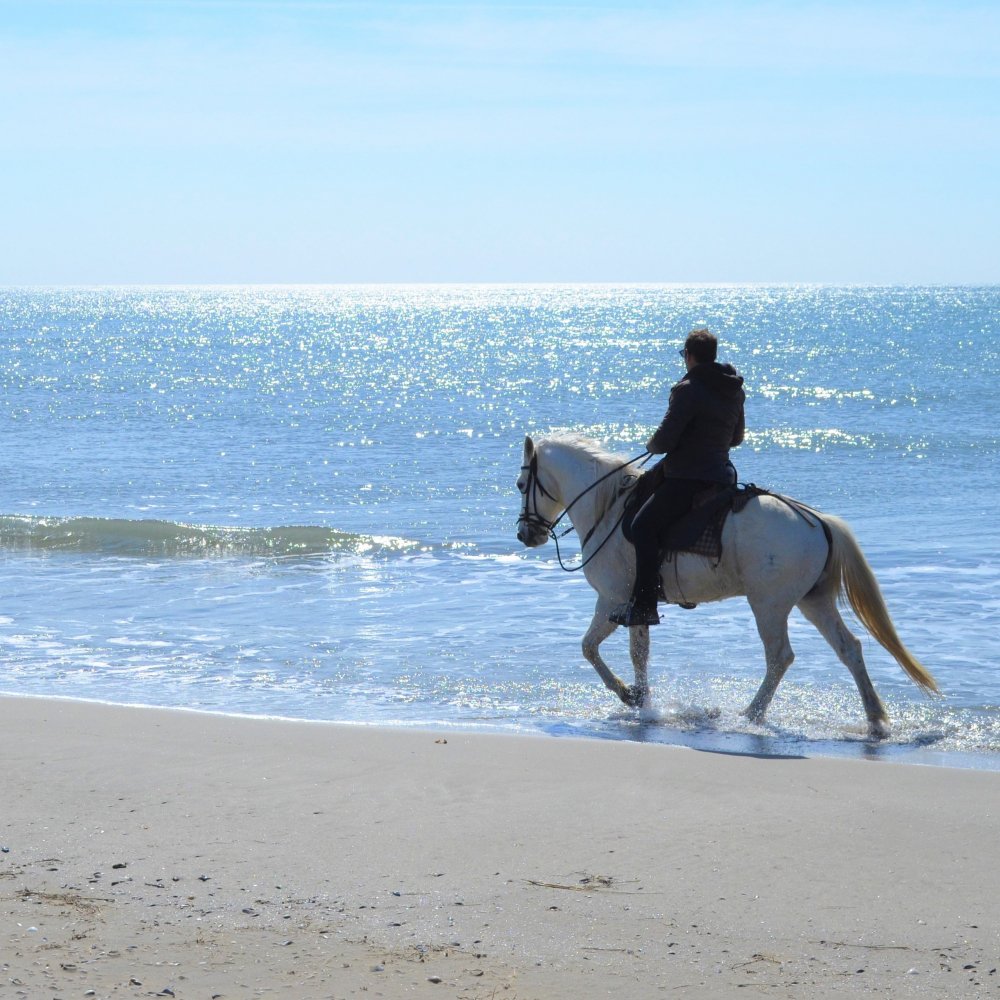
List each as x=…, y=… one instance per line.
x=234, y=141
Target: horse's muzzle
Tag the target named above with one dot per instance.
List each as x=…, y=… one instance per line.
x=531, y=536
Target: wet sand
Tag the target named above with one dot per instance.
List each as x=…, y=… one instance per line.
x=156, y=853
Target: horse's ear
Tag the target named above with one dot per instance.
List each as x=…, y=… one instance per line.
x=529, y=446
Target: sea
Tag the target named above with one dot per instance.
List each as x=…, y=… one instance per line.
x=299, y=502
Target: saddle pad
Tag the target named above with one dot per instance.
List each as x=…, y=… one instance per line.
x=700, y=530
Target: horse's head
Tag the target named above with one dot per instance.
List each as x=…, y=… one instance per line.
x=539, y=507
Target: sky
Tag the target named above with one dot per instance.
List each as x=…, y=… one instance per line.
x=277, y=141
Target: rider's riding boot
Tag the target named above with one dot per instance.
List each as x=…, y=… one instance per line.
x=635, y=613
x=641, y=607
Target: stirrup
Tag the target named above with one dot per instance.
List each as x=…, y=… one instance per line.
x=630, y=614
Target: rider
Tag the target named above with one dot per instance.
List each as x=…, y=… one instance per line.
x=704, y=420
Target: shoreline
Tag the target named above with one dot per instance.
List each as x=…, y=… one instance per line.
x=655, y=731
x=164, y=852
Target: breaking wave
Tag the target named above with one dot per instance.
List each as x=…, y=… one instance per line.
x=169, y=539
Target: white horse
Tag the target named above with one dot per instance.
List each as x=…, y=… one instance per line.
x=776, y=555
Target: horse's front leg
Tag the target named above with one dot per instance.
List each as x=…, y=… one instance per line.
x=638, y=647
x=600, y=629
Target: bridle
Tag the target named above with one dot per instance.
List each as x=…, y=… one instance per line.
x=530, y=492
x=533, y=487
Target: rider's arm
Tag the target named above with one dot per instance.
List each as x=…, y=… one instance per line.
x=677, y=417
x=739, y=430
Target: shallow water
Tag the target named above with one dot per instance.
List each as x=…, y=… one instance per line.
x=299, y=502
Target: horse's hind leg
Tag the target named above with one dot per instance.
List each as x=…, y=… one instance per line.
x=821, y=609
x=772, y=625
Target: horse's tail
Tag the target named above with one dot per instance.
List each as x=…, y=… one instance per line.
x=848, y=571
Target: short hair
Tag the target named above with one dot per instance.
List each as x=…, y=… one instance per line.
x=701, y=344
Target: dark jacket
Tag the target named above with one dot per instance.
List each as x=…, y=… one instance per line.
x=703, y=421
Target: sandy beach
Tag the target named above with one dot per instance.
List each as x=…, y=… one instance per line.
x=174, y=854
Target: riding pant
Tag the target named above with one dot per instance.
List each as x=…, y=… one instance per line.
x=671, y=500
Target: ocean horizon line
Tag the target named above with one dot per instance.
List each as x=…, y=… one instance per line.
x=489, y=283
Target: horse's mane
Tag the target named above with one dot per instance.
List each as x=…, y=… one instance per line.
x=588, y=445
x=607, y=491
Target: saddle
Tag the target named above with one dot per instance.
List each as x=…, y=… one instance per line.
x=700, y=530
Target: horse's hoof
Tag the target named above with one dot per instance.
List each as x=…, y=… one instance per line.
x=634, y=696
x=878, y=729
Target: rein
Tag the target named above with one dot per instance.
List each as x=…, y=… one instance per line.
x=532, y=518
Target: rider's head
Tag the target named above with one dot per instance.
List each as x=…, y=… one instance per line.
x=701, y=345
